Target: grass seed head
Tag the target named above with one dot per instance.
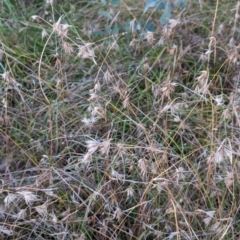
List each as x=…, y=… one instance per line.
x=86, y=52
x=44, y=33
x=9, y=199
x=130, y=192
x=142, y=166
x=67, y=47
x=28, y=196
x=42, y=210
x=22, y=214
x=61, y=29
x=117, y=214
x=49, y=2
x=117, y=175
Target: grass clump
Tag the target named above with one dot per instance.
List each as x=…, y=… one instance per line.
x=111, y=133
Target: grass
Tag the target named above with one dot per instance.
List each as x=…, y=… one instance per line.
x=121, y=136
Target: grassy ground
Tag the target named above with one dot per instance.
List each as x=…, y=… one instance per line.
x=119, y=136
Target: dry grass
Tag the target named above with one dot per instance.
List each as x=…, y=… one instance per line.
x=120, y=136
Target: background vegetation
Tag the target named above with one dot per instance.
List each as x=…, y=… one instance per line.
x=119, y=122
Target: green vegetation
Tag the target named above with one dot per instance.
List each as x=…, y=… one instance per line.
x=111, y=131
